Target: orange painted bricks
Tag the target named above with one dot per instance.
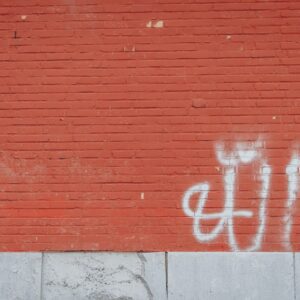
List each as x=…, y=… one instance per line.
x=162, y=125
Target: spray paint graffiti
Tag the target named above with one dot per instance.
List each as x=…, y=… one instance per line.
x=292, y=175
x=242, y=153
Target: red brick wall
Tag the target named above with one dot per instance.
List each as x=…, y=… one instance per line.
x=112, y=110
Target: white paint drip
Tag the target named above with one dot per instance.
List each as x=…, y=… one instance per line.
x=293, y=181
x=265, y=178
x=244, y=154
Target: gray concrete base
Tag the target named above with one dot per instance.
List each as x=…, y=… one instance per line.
x=20, y=275
x=130, y=276
x=297, y=275
x=104, y=276
x=233, y=276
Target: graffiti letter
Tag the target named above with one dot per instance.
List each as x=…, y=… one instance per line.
x=292, y=173
x=230, y=162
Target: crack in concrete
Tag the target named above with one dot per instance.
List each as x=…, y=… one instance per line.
x=167, y=274
x=143, y=261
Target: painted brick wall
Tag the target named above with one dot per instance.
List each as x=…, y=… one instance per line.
x=150, y=125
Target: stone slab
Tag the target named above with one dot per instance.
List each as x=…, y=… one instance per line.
x=20, y=276
x=104, y=276
x=232, y=276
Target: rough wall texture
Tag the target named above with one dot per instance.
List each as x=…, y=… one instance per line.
x=149, y=125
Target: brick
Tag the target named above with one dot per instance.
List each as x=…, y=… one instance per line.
x=106, y=122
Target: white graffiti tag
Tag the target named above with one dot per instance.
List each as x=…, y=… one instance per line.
x=242, y=154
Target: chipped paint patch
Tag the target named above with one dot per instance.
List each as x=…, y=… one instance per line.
x=155, y=24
